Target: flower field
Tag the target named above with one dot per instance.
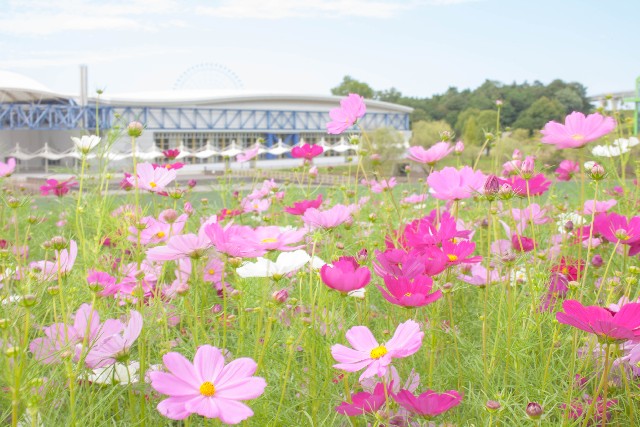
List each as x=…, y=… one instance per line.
x=501, y=297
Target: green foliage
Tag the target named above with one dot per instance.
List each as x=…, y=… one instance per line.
x=388, y=143
x=351, y=85
x=427, y=133
x=539, y=113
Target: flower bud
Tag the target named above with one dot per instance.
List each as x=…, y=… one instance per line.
x=534, y=410
x=517, y=155
x=445, y=135
x=458, y=148
x=491, y=186
x=134, y=129
x=170, y=216
x=192, y=183
x=280, y=296
x=597, y=261
x=528, y=167
x=59, y=243
x=492, y=405
x=597, y=172
x=568, y=226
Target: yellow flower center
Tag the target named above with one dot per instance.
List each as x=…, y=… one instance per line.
x=577, y=137
x=378, y=352
x=160, y=234
x=207, y=389
x=269, y=240
x=168, y=166
x=212, y=271
x=453, y=257
x=408, y=294
x=153, y=184
x=565, y=270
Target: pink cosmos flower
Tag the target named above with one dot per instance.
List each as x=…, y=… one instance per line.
x=247, y=155
x=330, y=218
x=511, y=167
x=618, y=327
x=207, y=387
x=151, y=178
x=364, y=402
x=306, y=151
x=430, y=156
x=48, y=270
x=429, y=404
x=415, y=198
x=400, y=263
x=56, y=187
x=111, y=348
x=60, y=337
x=533, y=213
x=274, y=238
x=376, y=358
x=6, y=169
x=181, y=246
x=599, y=206
x=299, y=208
x=476, y=274
x=406, y=292
x=453, y=184
x=383, y=185
x=255, y=205
x=351, y=109
x=345, y=275
x=566, y=169
x=232, y=240
x=577, y=130
x=99, y=280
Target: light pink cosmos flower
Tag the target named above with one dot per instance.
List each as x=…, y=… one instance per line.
x=207, y=387
x=255, y=205
x=181, y=246
x=156, y=230
x=429, y=404
x=351, y=109
x=232, y=240
x=453, y=184
x=368, y=353
x=532, y=213
x=109, y=349
x=577, y=130
x=330, y=218
x=247, y=155
x=591, y=206
x=274, y=238
x=151, y=178
x=60, y=337
x=415, y=198
x=48, y=270
x=383, y=185
x=437, y=152
x=6, y=169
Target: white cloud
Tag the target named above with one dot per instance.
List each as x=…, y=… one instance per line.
x=41, y=17
x=279, y=9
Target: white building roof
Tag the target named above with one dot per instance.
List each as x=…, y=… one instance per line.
x=15, y=87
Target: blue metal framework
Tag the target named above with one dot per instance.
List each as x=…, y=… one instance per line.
x=65, y=117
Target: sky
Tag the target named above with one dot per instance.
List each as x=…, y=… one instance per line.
x=419, y=47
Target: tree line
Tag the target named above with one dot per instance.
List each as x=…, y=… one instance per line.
x=472, y=113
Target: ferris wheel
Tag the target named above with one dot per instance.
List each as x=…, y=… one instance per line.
x=208, y=75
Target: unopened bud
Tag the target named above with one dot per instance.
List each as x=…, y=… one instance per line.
x=492, y=405
x=458, y=148
x=597, y=261
x=280, y=296
x=134, y=129
x=534, y=410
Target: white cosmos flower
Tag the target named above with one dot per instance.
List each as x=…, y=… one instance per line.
x=589, y=165
x=86, y=143
x=118, y=373
x=576, y=219
x=286, y=262
x=618, y=147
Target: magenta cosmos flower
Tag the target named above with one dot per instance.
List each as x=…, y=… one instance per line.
x=438, y=151
x=207, y=387
x=364, y=402
x=621, y=326
x=351, y=109
x=617, y=228
x=453, y=184
x=56, y=187
x=345, y=275
x=577, y=130
x=429, y=404
x=299, y=208
x=407, y=292
x=375, y=357
x=306, y=151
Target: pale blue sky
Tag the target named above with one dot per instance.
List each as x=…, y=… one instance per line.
x=421, y=47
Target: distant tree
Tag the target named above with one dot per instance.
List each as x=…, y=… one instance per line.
x=570, y=99
x=389, y=95
x=351, y=85
x=463, y=117
x=539, y=113
x=427, y=133
x=472, y=133
x=388, y=143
